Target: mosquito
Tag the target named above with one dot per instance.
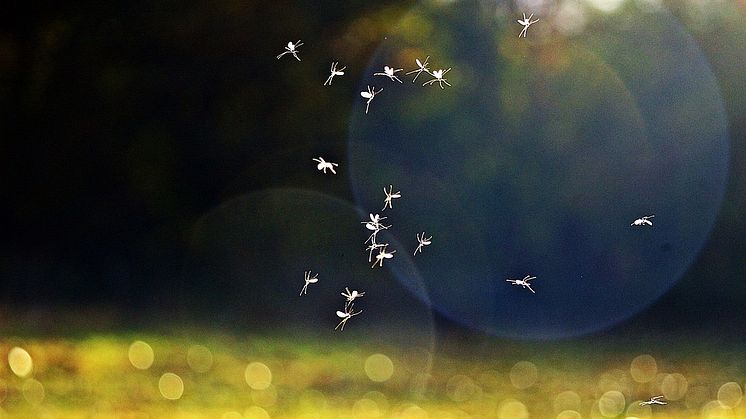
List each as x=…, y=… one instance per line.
x=292, y=48
x=323, y=165
x=390, y=196
x=438, y=74
x=424, y=241
x=351, y=295
x=373, y=246
x=422, y=67
x=523, y=282
x=526, y=22
x=389, y=72
x=309, y=280
x=643, y=221
x=334, y=72
x=654, y=400
x=370, y=94
x=346, y=315
x=383, y=254
x=375, y=226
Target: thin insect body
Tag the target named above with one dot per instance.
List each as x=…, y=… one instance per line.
x=438, y=74
x=370, y=94
x=334, y=72
x=309, y=280
x=323, y=165
x=389, y=72
x=654, y=400
x=372, y=247
x=291, y=48
x=390, y=195
x=423, y=241
x=346, y=315
x=643, y=221
x=383, y=254
x=422, y=67
x=375, y=226
x=523, y=282
x=350, y=296
x=526, y=22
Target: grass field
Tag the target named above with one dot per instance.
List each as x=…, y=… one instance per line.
x=131, y=375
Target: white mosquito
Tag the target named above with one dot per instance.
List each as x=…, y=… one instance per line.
x=422, y=67
x=373, y=246
x=523, y=282
x=370, y=94
x=390, y=195
x=346, y=315
x=309, y=280
x=643, y=221
x=526, y=22
x=424, y=241
x=389, y=72
x=292, y=48
x=334, y=72
x=654, y=400
x=351, y=295
x=383, y=254
x=438, y=74
x=323, y=165
x=375, y=226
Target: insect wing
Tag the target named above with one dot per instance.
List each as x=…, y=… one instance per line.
x=341, y=314
x=366, y=95
x=313, y=280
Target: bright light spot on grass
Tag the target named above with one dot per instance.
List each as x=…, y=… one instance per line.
x=674, y=386
x=461, y=388
x=366, y=408
x=730, y=394
x=643, y=368
x=232, y=415
x=258, y=376
x=141, y=355
x=256, y=412
x=611, y=404
x=696, y=397
x=199, y=358
x=33, y=391
x=569, y=414
x=523, y=375
x=715, y=410
x=606, y=6
x=512, y=409
x=171, y=386
x=567, y=400
x=379, y=368
x=266, y=397
x=20, y=362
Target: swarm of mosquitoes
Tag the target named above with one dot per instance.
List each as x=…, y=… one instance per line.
x=375, y=222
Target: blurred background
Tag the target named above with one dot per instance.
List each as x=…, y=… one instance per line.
x=156, y=157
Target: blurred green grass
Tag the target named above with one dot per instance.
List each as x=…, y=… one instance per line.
x=203, y=374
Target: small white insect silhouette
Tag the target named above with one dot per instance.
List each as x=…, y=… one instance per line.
x=346, y=315
x=438, y=74
x=523, y=282
x=383, y=254
x=334, y=72
x=390, y=195
x=351, y=295
x=373, y=246
x=422, y=67
x=389, y=72
x=424, y=241
x=643, y=221
x=291, y=48
x=309, y=280
x=323, y=165
x=370, y=94
x=526, y=22
x=375, y=226
x=654, y=400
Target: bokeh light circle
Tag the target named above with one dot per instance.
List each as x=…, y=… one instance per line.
x=171, y=386
x=20, y=361
x=141, y=355
x=379, y=368
x=258, y=376
x=539, y=157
